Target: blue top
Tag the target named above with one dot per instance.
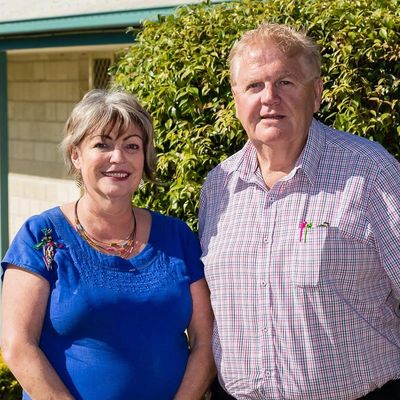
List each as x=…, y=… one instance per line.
x=114, y=328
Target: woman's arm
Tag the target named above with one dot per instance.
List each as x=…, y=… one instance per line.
x=200, y=370
x=24, y=302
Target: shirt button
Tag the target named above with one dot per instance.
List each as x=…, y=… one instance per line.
x=268, y=374
x=265, y=329
x=263, y=283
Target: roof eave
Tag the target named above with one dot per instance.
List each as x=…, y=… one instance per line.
x=83, y=22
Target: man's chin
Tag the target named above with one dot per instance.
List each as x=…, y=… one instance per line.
x=268, y=134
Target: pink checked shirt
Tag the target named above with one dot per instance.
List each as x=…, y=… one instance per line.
x=305, y=313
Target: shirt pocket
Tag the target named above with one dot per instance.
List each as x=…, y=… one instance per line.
x=309, y=255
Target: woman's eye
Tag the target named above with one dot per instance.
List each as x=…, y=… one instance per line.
x=133, y=146
x=100, y=145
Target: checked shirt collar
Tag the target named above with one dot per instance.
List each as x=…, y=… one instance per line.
x=246, y=164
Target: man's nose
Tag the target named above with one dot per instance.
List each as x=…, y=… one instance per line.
x=269, y=94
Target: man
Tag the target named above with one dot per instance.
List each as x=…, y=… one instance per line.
x=300, y=233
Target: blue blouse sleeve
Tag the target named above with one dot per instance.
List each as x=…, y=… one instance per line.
x=22, y=252
x=176, y=239
x=192, y=250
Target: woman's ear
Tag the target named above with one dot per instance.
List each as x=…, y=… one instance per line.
x=75, y=157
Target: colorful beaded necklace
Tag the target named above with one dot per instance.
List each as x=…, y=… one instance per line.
x=123, y=248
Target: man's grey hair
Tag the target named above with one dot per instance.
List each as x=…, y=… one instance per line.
x=290, y=42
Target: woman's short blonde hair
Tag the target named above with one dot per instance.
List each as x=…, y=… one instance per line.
x=290, y=42
x=101, y=110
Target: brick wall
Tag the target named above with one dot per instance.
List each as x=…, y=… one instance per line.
x=42, y=90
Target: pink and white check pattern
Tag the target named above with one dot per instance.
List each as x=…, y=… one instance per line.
x=314, y=319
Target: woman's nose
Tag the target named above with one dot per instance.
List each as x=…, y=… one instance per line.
x=116, y=155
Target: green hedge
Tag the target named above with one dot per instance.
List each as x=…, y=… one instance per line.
x=178, y=69
x=9, y=387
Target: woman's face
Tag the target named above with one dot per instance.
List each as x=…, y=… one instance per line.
x=111, y=164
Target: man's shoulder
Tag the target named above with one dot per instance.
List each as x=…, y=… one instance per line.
x=354, y=145
x=227, y=166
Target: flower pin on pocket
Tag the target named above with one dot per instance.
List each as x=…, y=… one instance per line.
x=304, y=227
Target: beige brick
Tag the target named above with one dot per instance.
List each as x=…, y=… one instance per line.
x=25, y=111
x=51, y=152
x=33, y=205
x=21, y=150
x=59, y=156
x=62, y=70
x=12, y=203
x=37, y=133
x=46, y=152
x=14, y=188
x=10, y=109
x=58, y=91
x=52, y=170
x=18, y=91
x=84, y=68
x=43, y=131
x=24, y=130
x=51, y=193
x=12, y=149
x=19, y=71
x=38, y=71
x=67, y=191
x=15, y=224
x=11, y=71
x=66, y=174
x=21, y=206
x=83, y=89
x=39, y=111
x=14, y=130
x=63, y=110
x=39, y=149
x=51, y=111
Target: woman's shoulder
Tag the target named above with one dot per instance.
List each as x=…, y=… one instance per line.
x=45, y=219
x=27, y=247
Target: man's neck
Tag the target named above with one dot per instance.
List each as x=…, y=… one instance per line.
x=276, y=163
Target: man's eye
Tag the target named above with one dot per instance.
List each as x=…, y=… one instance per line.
x=253, y=85
x=284, y=83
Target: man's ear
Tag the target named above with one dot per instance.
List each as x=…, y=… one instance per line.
x=234, y=98
x=75, y=157
x=318, y=88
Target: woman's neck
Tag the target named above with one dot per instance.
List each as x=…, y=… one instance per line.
x=105, y=220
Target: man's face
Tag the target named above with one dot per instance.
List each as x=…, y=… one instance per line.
x=275, y=97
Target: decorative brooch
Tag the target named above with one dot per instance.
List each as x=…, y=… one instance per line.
x=48, y=246
x=304, y=227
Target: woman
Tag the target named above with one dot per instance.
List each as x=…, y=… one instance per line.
x=98, y=294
